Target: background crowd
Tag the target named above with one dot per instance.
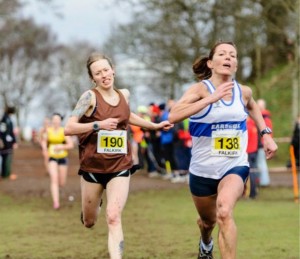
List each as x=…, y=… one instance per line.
x=162, y=154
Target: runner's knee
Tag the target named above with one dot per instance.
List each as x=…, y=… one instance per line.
x=88, y=219
x=224, y=212
x=88, y=223
x=206, y=224
x=113, y=217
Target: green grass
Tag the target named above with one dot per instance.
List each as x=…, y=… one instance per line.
x=157, y=224
x=276, y=89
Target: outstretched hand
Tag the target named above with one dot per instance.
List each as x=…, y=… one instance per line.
x=165, y=125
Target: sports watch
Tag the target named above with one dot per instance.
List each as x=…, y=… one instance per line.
x=96, y=126
x=267, y=130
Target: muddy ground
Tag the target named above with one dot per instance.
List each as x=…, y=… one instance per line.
x=32, y=179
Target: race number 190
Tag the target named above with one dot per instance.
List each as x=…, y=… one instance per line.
x=114, y=141
x=111, y=142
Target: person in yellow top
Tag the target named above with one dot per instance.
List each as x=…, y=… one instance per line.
x=55, y=146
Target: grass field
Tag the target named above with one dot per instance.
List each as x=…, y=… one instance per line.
x=157, y=224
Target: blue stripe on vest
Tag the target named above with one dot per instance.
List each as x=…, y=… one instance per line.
x=200, y=129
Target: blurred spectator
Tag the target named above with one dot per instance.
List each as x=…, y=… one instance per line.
x=137, y=136
x=154, y=137
x=42, y=134
x=145, y=145
x=264, y=179
x=8, y=143
x=252, y=149
x=167, y=143
x=295, y=142
x=183, y=146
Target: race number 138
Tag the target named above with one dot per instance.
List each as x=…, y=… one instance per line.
x=227, y=143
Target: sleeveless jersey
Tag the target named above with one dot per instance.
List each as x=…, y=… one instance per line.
x=56, y=137
x=219, y=136
x=92, y=161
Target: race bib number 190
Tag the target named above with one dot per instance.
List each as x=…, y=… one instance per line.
x=112, y=142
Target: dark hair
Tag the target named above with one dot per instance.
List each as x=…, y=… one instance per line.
x=95, y=57
x=58, y=114
x=10, y=110
x=200, y=68
x=162, y=106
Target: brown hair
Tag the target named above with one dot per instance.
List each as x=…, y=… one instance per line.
x=95, y=57
x=200, y=68
x=10, y=109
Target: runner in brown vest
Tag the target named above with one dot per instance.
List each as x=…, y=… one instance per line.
x=100, y=119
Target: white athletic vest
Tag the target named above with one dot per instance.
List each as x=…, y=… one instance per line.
x=219, y=136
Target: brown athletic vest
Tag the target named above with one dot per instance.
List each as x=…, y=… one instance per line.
x=90, y=160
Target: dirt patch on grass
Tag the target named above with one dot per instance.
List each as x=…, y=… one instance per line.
x=32, y=179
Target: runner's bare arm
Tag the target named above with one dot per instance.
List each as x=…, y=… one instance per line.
x=252, y=107
x=69, y=143
x=270, y=147
x=84, y=106
x=138, y=121
x=134, y=119
x=44, y=142
x=195, y=99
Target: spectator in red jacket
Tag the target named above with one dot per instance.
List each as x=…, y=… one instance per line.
x=252, y=149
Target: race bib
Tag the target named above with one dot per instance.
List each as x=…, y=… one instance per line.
x=112, y=142
x=226, y=143
x=53, y=152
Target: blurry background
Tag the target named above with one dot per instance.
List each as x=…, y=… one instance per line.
x=43, y=51
x=153, y=43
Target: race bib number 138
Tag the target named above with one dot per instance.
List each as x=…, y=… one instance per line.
x=226, y=143
x=113, y=142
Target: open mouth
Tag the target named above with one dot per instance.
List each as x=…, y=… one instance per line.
x=227, y=65
x=106, y=81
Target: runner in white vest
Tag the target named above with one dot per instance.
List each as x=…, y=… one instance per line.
x=218, y=108
x=227, y=119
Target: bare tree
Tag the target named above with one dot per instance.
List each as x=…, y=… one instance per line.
x=167, y=36
x=72, y=73
x=8, y=9
x=25, y=63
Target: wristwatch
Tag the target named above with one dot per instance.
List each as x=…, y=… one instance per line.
x=267, y=130
x=96, y=126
